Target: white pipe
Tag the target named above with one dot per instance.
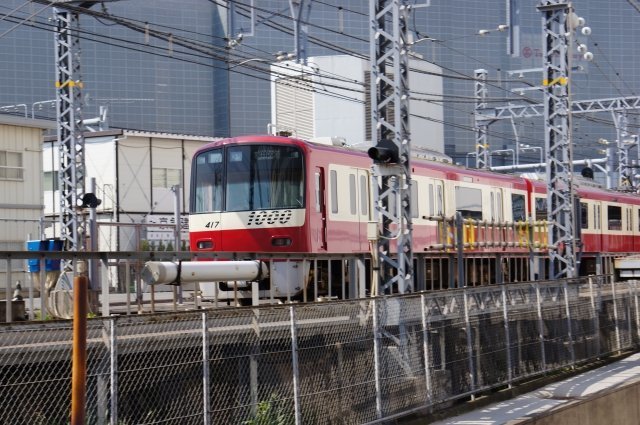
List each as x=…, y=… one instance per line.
x=166, y=272
x=540, y=165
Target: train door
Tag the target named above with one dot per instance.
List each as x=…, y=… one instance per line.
x=628, y=240
x=496, y=207
x=636, y=229
x=207, y=202
x=358, y=207
x=364, y=206
x=597, y=226
x=318, y=226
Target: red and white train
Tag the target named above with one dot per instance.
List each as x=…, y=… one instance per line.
x=269, y=194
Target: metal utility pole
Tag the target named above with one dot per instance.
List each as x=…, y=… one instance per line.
x=482, y=147
x=300, y=11
x=390, y=133
x=557, y=33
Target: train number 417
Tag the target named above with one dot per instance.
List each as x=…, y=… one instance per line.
x=212, y=224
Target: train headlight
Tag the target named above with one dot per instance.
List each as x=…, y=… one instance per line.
x=384, y=152
x=280, y=241
x=205, y=244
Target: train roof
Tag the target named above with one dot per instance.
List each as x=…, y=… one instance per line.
x=449, y=170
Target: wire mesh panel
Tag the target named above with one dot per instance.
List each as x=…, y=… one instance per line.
x=450, y=351
x=624, y=317
x=489, y=338
x=159, y=369
x=584, y=327
x=526, y=346
x=98, y=384
x=346, y=362
x=250, y=365
x=556, y=329
x=35, y=374
x=609, y=336
x=400, y=354
x=336, y=365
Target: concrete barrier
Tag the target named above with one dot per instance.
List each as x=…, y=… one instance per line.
x=17, y=310
x=619, y=406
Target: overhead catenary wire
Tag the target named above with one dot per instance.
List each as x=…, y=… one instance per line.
x=188, y=43
x=100, y=39
x=198, y=46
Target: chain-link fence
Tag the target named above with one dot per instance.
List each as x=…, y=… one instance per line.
x=347, y=362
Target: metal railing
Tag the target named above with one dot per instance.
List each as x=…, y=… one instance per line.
x=352, y=361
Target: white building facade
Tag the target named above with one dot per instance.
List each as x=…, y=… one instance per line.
x=135, y=174
x=21, y=202
x=330, y=97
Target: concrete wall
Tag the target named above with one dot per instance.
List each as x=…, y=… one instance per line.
x=618, y=406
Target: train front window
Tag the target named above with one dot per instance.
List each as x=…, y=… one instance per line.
x=264, y=177
x=209, y=182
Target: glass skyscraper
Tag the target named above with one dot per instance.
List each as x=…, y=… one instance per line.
x=207, y=88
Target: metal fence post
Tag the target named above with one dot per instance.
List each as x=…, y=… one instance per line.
x=507, y=334
x=565, y=287
x=253, y=358
x=127, y=282
x=540, y=325
x=8, y=293
x=472, y=372
x=205, y=368
x=31, y=308
x=376, y=358
x=44, y=293
x=635, y=298
x=294, y=365
x=460, y=249
x=615, y=315
x=113, y=355
x=596, y=316
x=104, y=306
x=425, y=347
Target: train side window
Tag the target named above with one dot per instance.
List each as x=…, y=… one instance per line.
x=629, y=226
x=614, y=217
x=596, y=218
x=584, y=215
x=432, y=205
x=439, y=199
x=492, y=207
x=334, y=191
x=352, y=194
x=469, y=202
x=518, y=207
x=414, y=199
x=364, y=196
x=318, y=193
x=541, y=208
x=639, y=219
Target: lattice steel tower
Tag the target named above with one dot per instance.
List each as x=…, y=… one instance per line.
x=390, y=132
x=71, y=152
x=557, y=33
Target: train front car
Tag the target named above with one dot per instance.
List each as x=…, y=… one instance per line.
x=248, y=196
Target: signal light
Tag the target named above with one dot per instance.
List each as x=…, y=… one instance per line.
x=89, y=200
x=587, y=172
x=384, y=152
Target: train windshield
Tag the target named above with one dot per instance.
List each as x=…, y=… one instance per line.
x=250, y=177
